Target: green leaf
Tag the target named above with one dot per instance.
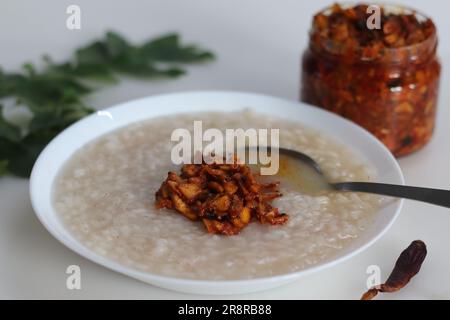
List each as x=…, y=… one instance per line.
x=54, y=94
x=97, y=72
x=3, y=167
x=169, y=49
x=44, y=92
x=9, y=150
x=59, y=121
x=92, y=54
x=116, y=45
x=136, y=64
x=21, y=156
x=29, y=69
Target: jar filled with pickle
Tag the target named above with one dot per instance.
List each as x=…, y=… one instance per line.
x=385, y=79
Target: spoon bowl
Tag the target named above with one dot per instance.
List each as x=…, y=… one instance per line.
x=313, y=181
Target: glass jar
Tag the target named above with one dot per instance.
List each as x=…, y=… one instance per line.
x=390, y=91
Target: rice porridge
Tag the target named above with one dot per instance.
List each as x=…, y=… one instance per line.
x=105, y=196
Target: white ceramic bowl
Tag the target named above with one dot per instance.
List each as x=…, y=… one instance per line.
x=65, y=144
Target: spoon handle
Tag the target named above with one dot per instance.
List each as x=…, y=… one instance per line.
x=434, y=196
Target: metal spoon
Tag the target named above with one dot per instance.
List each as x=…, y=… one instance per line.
x=434, y=196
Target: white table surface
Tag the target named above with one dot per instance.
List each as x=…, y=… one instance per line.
x=258, y=45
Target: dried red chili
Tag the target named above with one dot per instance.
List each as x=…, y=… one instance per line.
x=384, y=79
x=407, y=266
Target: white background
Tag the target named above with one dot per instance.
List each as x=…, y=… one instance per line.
x=258, y=45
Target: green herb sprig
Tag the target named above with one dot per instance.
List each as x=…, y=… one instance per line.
x=54, y=96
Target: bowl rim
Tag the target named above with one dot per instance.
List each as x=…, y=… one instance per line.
x=38, y=172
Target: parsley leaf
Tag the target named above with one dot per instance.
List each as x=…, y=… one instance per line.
x=3, y=167
x=55, y=94
x=168, y=48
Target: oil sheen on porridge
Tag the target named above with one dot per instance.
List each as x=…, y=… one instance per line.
x=105, y=197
